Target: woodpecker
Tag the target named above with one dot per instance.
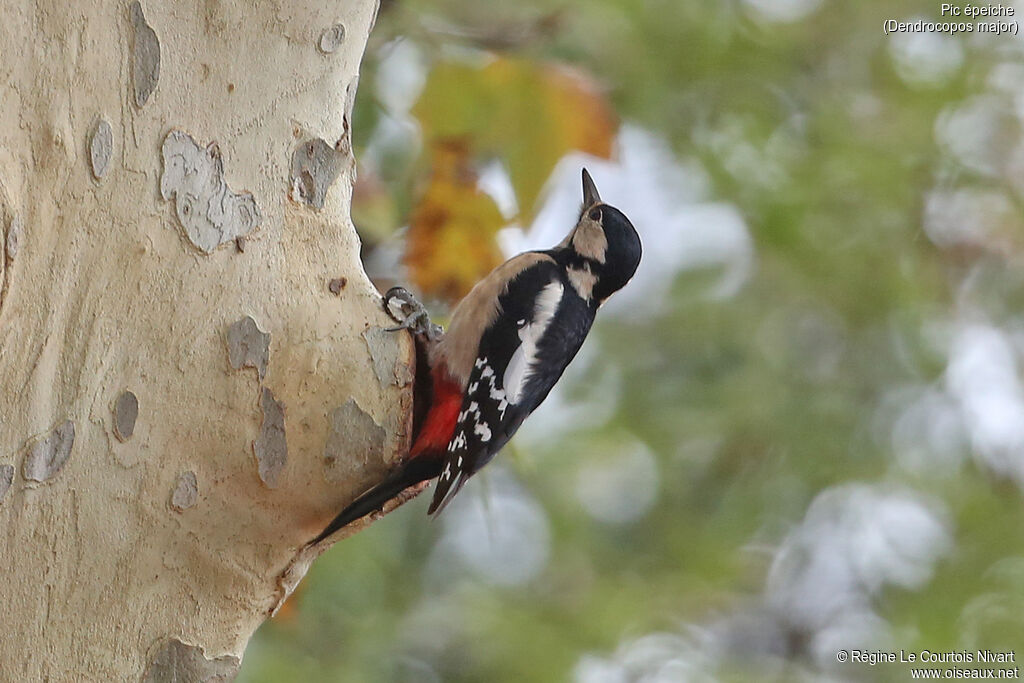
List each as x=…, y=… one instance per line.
x=509, y=341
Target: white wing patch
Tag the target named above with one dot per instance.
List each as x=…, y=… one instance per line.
x=520, y=366
x=483, y=431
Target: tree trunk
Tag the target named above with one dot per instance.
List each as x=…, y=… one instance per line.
x=194, y=374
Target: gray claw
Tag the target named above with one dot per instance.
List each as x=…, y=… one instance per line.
x=410, y=314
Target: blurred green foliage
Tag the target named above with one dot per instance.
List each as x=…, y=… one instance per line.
x=752, y=404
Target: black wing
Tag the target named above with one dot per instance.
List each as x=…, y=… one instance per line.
x=541, y=325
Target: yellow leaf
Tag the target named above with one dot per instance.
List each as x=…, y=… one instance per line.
x=451, y=242
x=526, y=114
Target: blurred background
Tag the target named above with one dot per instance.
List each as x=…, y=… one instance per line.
x=800, y=428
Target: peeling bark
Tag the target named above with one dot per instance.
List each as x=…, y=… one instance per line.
x=142, y=538
x=271, y=449
x=126, y=412
x=145, y=57
x=355, y=441
x=207, y=210
x=174, y=661
x=46, y=455
x=101, y=148
x=248, y=346
x=315, y=167
x=6, y=478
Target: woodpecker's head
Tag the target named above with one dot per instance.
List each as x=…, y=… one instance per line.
x=605, y=241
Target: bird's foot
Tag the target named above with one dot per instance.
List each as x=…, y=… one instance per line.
x=410, y=314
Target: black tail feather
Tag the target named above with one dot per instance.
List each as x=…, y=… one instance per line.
x=410, y=474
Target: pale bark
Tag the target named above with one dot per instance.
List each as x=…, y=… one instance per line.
x=168, y=456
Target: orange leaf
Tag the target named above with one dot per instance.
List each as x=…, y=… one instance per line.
x=451, y=245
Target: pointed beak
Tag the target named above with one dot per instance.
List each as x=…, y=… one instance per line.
x=590, y=195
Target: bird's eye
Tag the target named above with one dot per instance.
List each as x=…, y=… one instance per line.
x=595, y=214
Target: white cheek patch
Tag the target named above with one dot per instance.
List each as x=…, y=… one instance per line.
x=520, y=367
x=514, y=374
x=588, y=239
